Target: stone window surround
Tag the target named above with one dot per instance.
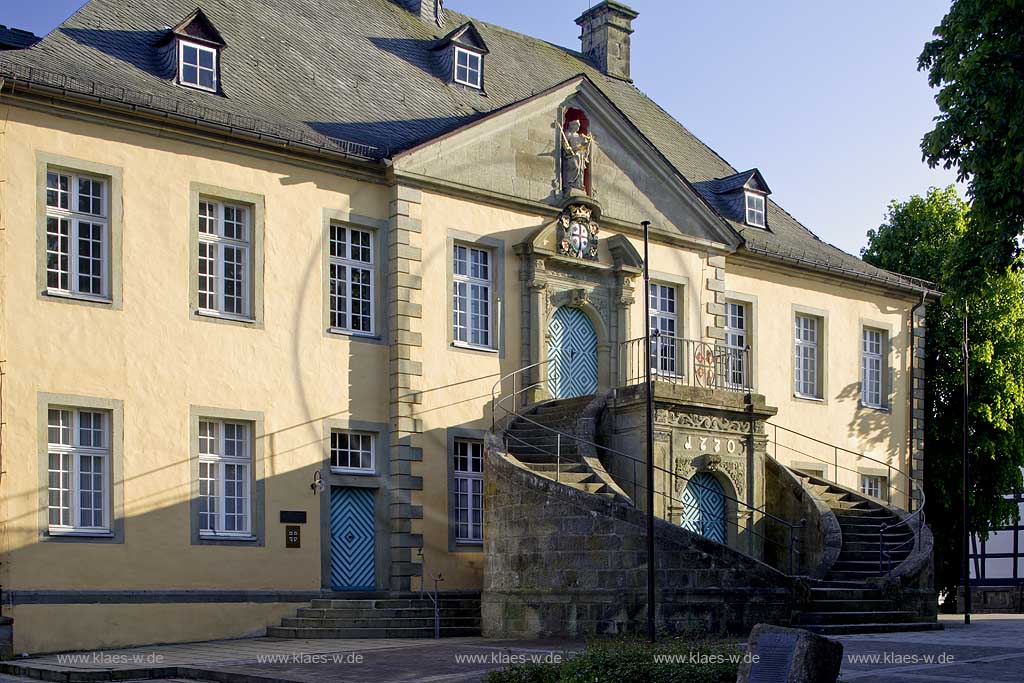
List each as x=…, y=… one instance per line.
x=496, y=247
x=257, y=482
x=114, y=177
x=823, y=339
x=379, y=480
x=882, y=472
x=115, y=479
x=750, y=301
x=379, y=228
x=681, y=283
x=454, y=433
x=888, y=358
x=257, y=226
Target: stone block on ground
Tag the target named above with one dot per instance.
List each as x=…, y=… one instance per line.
x=790, y=655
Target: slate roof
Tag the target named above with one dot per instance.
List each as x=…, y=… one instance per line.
x=16, y=38
x=334, y=73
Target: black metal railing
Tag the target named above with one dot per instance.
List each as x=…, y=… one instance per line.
x=688, y=362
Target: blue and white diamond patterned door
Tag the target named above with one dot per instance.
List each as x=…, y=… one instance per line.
x=352, y=539
x=572, y=354
x=704, y=507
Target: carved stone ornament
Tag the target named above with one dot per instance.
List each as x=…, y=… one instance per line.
x=711, y=423
x=577, y=232
x=735, y=471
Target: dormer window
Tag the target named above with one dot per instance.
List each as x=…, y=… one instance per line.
x=468, y=68
x=755, y=209
x=460, y=56
x=190, y=53
x=197, y=65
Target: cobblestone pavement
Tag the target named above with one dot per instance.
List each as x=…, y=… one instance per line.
x=991, y=650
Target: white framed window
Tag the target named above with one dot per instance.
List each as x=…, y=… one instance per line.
x=468, y=68
x=806, y=334
x=78, y=453
x=350, y=280
x=77, y=235
x=352, y=452
x=872, y=368
x=664, y=321
x=225, y=460
x=755, y=209
x=197, y=66
x=872, y=485
x=469, y=490
x=471, y=305
x=224, y=265
x=736, y=325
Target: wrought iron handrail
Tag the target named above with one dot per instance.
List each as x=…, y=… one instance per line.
x=519, y=386
x=689, y=362
x=834, y=461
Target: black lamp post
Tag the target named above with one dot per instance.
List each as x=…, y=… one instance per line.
x=966, y=569
x=650, y=438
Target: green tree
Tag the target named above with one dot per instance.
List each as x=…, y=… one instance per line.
x=977, y=62
x=936, y=238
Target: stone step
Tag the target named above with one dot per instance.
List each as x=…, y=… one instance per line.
x=544, y=458
x=872, y=521
x=869, y=564
x=851, y=605
x=578, y=403
x=529, y=431
x=332, y=633
x=845, y=593
x=872, y=546
x=863, y=511
x=844, y=629
x=823, y=618
x=570, y=468
x=381, y=622
x=855, y=576
x=392, y=603
x=570, y=478
x=412, y=612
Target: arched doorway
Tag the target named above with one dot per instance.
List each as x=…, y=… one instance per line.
x=572, y=354
x=704, y=507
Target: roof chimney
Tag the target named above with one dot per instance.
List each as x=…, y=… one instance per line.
x=427, y=10
x=606, y=31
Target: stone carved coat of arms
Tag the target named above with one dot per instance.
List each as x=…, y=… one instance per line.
x=577, y=232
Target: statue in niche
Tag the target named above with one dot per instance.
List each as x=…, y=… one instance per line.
x=577, y=149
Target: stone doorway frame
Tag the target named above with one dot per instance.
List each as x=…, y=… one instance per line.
x=603, y=289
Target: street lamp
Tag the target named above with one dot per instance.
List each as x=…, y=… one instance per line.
x=650, y=436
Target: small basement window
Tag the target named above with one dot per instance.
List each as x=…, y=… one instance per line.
x=197, y=66
x=468, y=68
x=755, y=210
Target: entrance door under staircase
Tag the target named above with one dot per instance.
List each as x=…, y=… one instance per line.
x=704, y=507
x=572, y=354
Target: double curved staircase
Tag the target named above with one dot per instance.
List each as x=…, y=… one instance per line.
x=555, y=440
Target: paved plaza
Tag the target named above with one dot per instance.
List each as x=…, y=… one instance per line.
x=991, y=650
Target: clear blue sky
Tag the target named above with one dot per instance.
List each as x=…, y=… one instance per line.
x=823, y=97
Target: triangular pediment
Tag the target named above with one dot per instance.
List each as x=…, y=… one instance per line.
x=517, y=153
x=466, y=36
x=197, y=26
